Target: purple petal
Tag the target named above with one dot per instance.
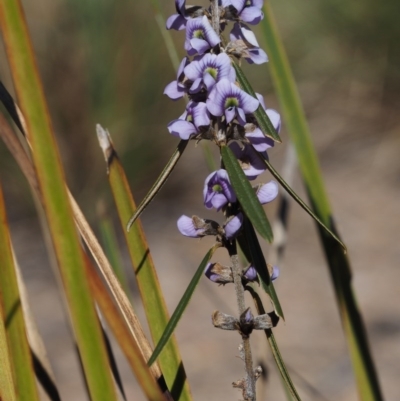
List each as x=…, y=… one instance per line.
x=268, y=192
x=257, y=56
x=199, y=46
x=241, y=116
x=174, y=91
x=275, y=118
x=248, y=35
x=252, y=165
x=230, y=114
x=200, y=114
x=251, y=15
x=275, y=273
x=249, y=104
x=238, y=4
x=233, y=226
x=196, y=86
x=218, y=201
x=181, y=129
x=251, y=273
x=176, y=22
x=259, y=141
x=187, y=228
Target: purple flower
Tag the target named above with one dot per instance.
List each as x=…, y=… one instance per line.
x=217, y=191
x=274, y=274
x=251, y=273
x=256, y=137
x=233, y=225
x=248, y=158
x=218, y=273
x=229, y=100
x=267, y=193
x=249, y=10
x=200, y=36
x=245, y=37
x=208, y=70
x=195, y=227
x=176, y=89
x=178, y=21
x=189, y=123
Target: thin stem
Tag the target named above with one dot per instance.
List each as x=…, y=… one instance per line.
x=215, y=16
x=250, y=389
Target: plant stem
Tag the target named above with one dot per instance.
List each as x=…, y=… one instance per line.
x=249, y=392
x=215, y=16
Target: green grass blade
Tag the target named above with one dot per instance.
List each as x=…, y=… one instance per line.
x=183, y=303
x=363, y=366
x=112, y=250
x=246, y=195
x=297, y=198
x=274, y=347
x=58, y=211
x=161, y=180
x=257, y=257
x=124, y=337
x=261, y=116
x=146, y=275
x=21, y=362
x=7, y=391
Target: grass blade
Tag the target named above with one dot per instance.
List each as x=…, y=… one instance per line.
x=146, y=377
x=363, y=366
x=297, y=198
x=22, y=364
x=59, y=215
x=258, y=260
x=7, y=391
x=161, y=180
x=146, y=275
x=246, y=195
x=261, y=116
x=183, y=303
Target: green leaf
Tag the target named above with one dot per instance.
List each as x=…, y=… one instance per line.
x=17, y=345
x=161, y=180
x=145, y=272
x=262, y=118
x=183, y=303
x=258, y=260
x=297, y=198
x=246, y=194
x=339, y=265
x=274, y=346
x=46, y=158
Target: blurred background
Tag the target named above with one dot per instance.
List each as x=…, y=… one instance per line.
x=105, y=62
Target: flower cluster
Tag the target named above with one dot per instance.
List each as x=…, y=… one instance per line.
x=220, y=111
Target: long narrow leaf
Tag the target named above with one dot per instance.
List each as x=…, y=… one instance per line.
x=7, y=390
x=302, y=204
x=123, y=336
x=125, y=308
x=182, y=304
x=274, y=347
x=58, y=211
x=161, y=180
x=364, y=369
x=258, y=260
x=146, y=275
x=246, y=195
x=22, y=364
x=261, y=116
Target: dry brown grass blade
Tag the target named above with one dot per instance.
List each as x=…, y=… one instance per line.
x=130, y=318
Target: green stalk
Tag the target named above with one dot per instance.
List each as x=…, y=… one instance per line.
x=18, y=348
x=58, y=210
x=146, y=275
x=363, y=366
